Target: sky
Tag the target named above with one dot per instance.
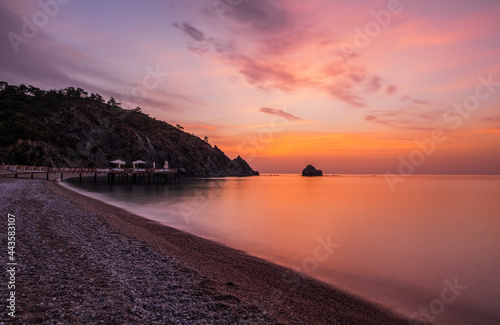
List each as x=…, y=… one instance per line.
x=402, y=87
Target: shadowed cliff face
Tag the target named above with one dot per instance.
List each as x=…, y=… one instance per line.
x=68, y=128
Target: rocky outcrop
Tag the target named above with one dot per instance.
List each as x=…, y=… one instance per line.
x=68, y=128
x=310, y=170
x=240, y=166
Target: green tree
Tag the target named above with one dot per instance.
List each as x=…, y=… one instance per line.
x=112, y=102
x=98, y=98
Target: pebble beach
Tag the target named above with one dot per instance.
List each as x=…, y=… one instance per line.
x=82, y=261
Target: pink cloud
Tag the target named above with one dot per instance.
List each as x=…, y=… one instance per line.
x=280, y=51
x=391, y=90
x=409, y=118
x=279, y=112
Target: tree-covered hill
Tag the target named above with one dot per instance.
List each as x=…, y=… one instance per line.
x=69, y=128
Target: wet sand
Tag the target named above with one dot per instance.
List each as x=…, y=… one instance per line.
x=83, y=261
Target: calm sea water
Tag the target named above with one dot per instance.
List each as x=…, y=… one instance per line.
x=430, y=248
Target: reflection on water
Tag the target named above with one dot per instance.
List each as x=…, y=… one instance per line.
x=398, y=249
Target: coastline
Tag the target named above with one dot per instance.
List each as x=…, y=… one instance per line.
x=231, y=286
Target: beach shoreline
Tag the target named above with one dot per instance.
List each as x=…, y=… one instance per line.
x=212, y=283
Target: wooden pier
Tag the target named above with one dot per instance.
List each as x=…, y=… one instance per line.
x=122, y=175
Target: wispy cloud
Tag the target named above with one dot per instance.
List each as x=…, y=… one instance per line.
x=347, y=83
x=407, y=98
x=495, y=119
x=262, y=16
x=194, y=33
x=198, y=41
x=280, y=113
x=391, y=90
x=410, y=118
x=374, y=84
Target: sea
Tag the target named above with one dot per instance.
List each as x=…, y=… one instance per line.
x=427, y=248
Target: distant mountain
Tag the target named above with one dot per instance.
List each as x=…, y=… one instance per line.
x=69, y=128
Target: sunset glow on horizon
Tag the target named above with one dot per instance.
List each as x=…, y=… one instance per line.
x=350, y=87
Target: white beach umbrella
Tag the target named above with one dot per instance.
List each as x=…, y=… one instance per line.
x=135, y=163
x=118, y=162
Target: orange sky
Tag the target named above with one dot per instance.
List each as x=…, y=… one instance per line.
x=351, y=87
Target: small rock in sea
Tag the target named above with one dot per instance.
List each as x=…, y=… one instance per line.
x=310, y=170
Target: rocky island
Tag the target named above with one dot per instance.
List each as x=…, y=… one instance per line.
x=310, y=170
